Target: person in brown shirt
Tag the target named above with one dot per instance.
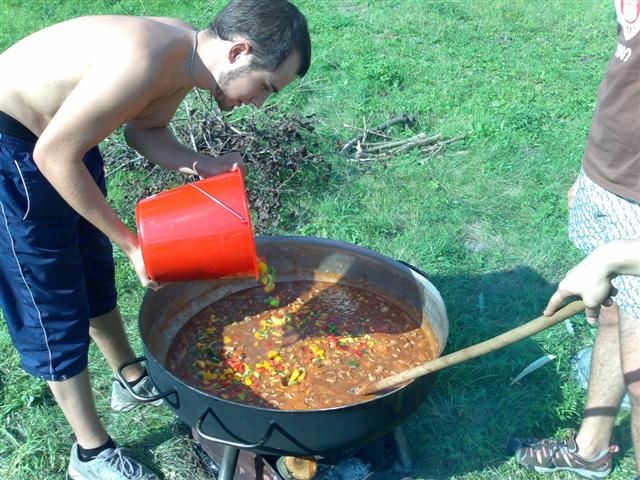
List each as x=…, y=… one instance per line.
x=65, y=89
x=604, y=222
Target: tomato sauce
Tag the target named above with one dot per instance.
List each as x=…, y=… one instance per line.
x=301, y=346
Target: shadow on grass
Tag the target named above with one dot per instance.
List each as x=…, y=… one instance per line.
x=465, y=423
x=158, y=437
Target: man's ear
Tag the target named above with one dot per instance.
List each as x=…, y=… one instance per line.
x=239, y=48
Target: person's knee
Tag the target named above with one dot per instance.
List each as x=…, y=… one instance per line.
x=632, y=381
x=609, y=317
x=109, y=316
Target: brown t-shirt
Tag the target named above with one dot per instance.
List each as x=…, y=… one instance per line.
x=612, y=153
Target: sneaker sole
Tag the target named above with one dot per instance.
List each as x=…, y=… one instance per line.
x=590, y=475
x=132, y=406
x=73, y=474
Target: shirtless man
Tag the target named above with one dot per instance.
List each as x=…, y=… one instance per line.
x=65, y=89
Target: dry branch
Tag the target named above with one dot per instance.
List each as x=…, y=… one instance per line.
x=388, y=145
x=407, y=120
x=430, y=146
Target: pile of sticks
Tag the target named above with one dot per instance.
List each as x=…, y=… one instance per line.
x=275, y=148
x=362, y=149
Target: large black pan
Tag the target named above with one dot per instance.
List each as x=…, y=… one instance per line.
x=276, y=432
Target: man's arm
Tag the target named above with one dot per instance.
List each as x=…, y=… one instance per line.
x=591, y=278
x=117, y=86
x=150, y=136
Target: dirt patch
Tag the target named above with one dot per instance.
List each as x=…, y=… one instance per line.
x=353, y=9
x=477, y=238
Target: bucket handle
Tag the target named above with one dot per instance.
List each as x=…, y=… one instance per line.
x=258, y=444
x=222, y=204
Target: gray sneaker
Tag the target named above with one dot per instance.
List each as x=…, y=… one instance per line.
x=122, y=401
x=111, y=464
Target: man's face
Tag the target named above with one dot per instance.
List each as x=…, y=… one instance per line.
x=243, y=85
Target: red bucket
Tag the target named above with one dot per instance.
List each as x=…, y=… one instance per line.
x=198, y=231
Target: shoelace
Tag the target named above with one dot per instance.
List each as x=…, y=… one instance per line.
x=122, y=463
x=551, y=445
x=554, y=450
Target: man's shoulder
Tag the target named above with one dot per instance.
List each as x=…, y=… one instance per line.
x=139, y=38
x=172, y=21
x=132, y=23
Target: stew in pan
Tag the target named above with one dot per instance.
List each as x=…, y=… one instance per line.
x=301, y=346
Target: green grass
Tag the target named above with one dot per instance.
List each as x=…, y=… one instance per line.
x=486, y=219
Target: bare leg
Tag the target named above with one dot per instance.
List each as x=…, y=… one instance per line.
x=606, y=387
x=76, y=400
x=75, y=396
x=630, y=345
x=108, y=332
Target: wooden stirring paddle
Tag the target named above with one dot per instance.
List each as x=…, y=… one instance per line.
x=495, y=343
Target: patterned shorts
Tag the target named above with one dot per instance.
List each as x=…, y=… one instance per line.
x=597, y=217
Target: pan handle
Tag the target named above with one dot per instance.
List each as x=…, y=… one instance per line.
x=260, y=443
x=415, y=269
x=120, y=376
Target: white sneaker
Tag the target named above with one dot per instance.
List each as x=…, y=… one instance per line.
x=123, y=401
x=112, y=464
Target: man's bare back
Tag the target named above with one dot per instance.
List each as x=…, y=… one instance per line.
x=40, y=72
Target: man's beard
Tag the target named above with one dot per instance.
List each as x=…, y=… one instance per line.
x=226, y=78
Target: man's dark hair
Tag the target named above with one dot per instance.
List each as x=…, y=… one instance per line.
x=275, y=28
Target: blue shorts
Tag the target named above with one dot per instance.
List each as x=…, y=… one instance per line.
x=56, y=270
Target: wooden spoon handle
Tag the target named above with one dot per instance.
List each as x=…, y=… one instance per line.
x=495, y=343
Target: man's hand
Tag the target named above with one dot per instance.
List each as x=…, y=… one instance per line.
x=590, y=280
x=141, y=271
x=224, y=163
x=134, y=252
